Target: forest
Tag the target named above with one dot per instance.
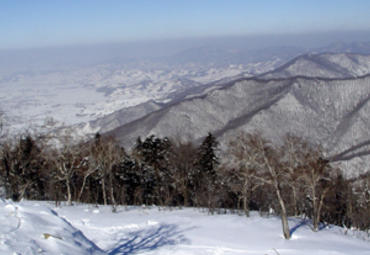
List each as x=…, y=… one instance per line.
x=290, y=179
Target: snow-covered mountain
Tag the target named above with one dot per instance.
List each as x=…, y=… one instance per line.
x=330, y=111
x=311, y=65
x=325, y=65
x=118, y=118
x=89, y=93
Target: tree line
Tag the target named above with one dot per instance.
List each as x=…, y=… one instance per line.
x=290, y=179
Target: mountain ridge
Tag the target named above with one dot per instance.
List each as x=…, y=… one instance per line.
x=323, y=63
x=256, y=79
x=326, y=109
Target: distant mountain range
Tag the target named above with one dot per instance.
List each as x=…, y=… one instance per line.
x=322, y=97
x=325, y=65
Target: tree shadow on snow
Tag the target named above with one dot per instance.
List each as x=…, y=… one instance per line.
x=305, y=222
x=150, y=239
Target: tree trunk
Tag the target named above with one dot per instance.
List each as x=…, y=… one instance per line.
x=159, y=184
x=113, y=200
x=69, y=195
x=318, y=211
x=314, y=208
x=103, y=190
x=275, y=184
x=245, y=205
x=284, y=217
x=23, y=191
x=82, y=188
x=186, y=199
x=295, y=201
x=245, y=198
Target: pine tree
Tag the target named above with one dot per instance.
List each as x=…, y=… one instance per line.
x=205, y=179
x=128, y=176
x=208, y=161
x=22, y=169
x=154, y=154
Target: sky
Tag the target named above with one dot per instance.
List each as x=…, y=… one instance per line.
x=39, y=23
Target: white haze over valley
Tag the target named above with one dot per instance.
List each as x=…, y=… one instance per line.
x=71, y=97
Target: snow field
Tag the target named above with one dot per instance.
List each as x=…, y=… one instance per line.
x=32, y=227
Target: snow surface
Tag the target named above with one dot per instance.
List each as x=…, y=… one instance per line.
x=31, y=227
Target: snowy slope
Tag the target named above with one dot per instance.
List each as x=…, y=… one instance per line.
x=38, y=229
x=86, y=229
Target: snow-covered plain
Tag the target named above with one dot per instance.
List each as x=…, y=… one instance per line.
x=31, y=227
x=84, y=94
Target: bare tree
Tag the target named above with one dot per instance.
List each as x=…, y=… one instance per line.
x=295, y=152
x=240, y=170
x=261, y=156
x=316, y=177
x=67, y=160
x=86, y=173
x=104, y=154
x=308, y=173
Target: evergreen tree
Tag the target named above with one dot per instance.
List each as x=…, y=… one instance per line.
x=154, y=154
x=208, y=161
x=128, y=176
x=23, y=169
x=204, y=178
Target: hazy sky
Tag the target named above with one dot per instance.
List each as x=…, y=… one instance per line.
x=38, y=23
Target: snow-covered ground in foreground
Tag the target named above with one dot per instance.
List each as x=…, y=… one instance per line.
x=41, y=228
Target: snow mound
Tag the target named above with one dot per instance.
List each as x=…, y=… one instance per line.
x=37, y=229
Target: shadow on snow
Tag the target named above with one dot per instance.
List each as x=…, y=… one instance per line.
x=150, y=239
x=305, y=222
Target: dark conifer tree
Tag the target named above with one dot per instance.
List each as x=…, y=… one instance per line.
x=208, y=161
x=23, y=170
x=204, y=178
x=128, y=177
x=154, y=154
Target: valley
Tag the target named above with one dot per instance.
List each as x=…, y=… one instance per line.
x=185, y=127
